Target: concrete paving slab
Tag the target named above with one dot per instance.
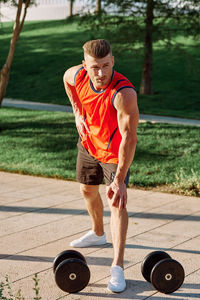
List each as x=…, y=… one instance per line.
x=38, y=204
x=40, y=216
x=37, y=218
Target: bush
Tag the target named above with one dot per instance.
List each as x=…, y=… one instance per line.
x=188, y=185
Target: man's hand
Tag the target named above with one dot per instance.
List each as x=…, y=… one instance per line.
x=117, y=193
x=81, y=124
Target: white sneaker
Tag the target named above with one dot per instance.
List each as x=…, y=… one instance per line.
x=117, y=282
x=89, y=239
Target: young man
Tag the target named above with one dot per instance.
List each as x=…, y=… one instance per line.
x=106, y=115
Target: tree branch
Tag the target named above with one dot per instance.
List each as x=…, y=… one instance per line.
x=24, y=15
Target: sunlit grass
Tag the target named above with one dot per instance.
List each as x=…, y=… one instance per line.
x=44, y=143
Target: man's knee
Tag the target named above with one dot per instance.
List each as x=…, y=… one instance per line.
x=89, y=191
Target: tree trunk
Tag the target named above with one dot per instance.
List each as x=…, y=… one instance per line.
x=98, y=6
x=71, y=2
x=146, y=83
x=5, y=71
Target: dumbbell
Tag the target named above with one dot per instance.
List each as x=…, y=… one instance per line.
x=71, y=271
x=164, y=273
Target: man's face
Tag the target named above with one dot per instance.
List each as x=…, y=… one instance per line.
x=99, y=70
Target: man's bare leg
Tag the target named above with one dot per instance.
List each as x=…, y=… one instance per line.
x=118, y=226
x=94, y=206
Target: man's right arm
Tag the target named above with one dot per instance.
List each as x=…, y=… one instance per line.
x=69, y=85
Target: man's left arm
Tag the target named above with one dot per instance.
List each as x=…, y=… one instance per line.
x=128, y=118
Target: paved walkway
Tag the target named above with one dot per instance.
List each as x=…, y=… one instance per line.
x=40, y=216
x=52, y=107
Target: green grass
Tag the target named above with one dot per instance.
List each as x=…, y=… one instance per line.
x=44, y=144
x=46, y=49
x=40, y=143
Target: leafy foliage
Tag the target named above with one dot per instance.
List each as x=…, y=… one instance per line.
x=124, y=20
x=187, y=184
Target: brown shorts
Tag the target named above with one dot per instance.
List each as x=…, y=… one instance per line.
x=91, y=171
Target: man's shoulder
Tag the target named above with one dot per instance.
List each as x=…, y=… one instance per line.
x=120, y=76
x=69, y=75
x=80, y=75
x=123, y=89
x=120, y=80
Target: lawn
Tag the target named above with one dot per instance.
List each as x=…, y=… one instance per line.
x=47, y=48
x=44, y=143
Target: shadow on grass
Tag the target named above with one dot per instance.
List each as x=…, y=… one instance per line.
x=44, y=143
x=46, y=49
x=42, y=59
x=49, y=135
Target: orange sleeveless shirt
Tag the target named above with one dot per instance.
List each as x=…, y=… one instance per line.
x=104, y=138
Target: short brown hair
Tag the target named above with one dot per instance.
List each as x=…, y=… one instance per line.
x=97, y=48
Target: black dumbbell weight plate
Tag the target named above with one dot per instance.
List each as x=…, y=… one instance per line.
x=72, y=275
x=149, y=262
x=167, y=276
x=65, y=255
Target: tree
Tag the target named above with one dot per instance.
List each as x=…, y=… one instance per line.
x=147, y=21
x=146, y=82
x=22, y=7
x=71, y=2
x=158, y=16
x=98, y=6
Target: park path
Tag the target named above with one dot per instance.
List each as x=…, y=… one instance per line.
x=53, y=107
x=40, y=216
